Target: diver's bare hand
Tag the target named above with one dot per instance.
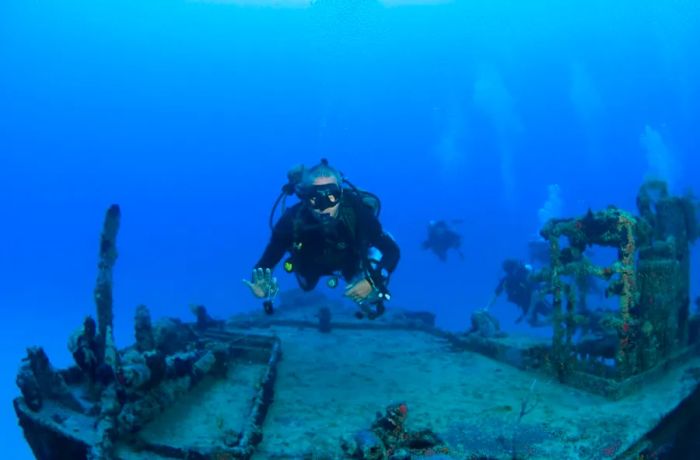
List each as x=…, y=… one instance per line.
x=264, y=285
x=359, y=291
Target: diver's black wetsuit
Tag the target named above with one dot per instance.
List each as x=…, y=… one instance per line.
x=520, y=289
x=441, y=238
x=337, y=245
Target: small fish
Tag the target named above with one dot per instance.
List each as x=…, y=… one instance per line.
x=504, y=409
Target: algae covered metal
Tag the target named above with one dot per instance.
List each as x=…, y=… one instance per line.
x=138, y=402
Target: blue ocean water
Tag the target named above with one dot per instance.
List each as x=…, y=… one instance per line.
x=189, y=114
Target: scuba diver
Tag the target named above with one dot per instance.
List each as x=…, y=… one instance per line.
x=441, y=238
x=524, y=291
x=333, y=231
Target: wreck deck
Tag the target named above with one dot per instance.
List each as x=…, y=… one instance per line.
x=331, y=385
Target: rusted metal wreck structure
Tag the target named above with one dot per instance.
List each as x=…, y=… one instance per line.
x=216, y=390
x=649, y=330
x=94, y=409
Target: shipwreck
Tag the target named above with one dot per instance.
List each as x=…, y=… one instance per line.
x=314, y=382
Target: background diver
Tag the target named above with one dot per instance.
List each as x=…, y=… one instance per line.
x=333, y=231
x=441, y=238
x=523, y=290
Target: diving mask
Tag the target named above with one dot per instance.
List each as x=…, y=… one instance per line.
x=324, y=196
